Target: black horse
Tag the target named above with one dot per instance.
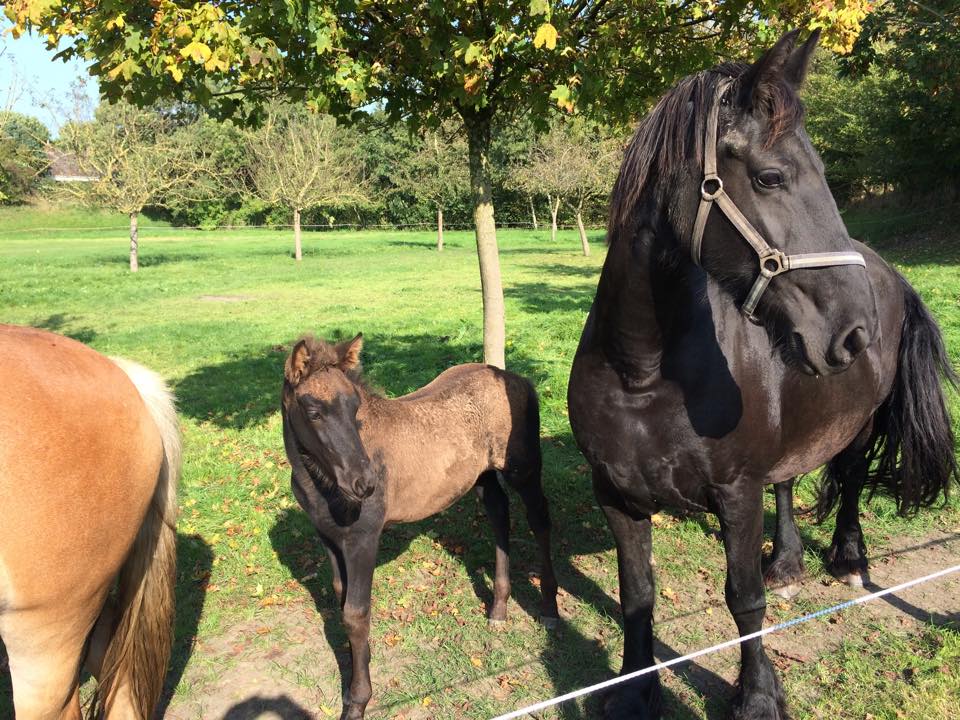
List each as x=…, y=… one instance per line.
x=723, y=353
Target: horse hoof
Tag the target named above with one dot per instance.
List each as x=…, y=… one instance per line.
x=855, y=579
x=496, y=624
x=550, y=623
x=786, y=591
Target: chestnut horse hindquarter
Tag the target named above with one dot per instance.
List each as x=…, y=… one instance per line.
x=79, y=462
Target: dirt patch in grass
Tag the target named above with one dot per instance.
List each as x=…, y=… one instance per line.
x=224, y=298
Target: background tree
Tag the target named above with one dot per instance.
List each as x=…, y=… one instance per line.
x=574, y=162
x=302, y=160
x=479, y=62
x=436, y=172
x=137, y=158
x=23, y=158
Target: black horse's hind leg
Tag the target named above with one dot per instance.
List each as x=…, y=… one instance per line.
x=360, y=558
x=638, y=699
x=530, y=489
x=786, y=569
x=847, y=556
x=498, y=509
x=740, y=509
x=336, y=559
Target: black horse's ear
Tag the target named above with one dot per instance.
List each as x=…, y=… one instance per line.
x=350, y=352
x=795, y=71
x=770, y=64
x=297, y=364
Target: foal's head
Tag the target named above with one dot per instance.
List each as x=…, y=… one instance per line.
x=822, y=314
x=321, y=397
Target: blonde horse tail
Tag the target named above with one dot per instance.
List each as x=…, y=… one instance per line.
x=138, y=648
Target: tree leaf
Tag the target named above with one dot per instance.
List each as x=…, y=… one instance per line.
x=546, y=36
x=198, y=51
x=473, y=53
x=540, y=7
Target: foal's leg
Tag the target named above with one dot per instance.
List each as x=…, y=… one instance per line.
x=786, y=569
x=638, y=699
x=530, y=489
x=740, y=510
x=336, y=576
x=498, y=509
x=360, y=558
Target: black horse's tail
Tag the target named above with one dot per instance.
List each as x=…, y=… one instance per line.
x=911, y=453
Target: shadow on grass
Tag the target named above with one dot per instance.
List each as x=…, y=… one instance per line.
x=245, y=390
x=280, y=707
x=582, y=271
x=63, y=324
x=542, y=297
x=194, y=562
x=148, y=259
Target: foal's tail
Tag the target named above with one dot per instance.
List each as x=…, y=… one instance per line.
x=911, y=452
x=138, y=650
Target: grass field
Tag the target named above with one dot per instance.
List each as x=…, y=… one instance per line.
x=216, y=312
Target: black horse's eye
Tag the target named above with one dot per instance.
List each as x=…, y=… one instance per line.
x=769, y=178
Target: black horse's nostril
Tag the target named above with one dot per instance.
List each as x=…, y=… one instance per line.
x=857, y=340
x=847, y=345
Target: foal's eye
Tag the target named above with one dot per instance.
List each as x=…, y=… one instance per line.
x=769, y=178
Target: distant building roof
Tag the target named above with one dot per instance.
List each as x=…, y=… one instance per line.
x=64, y=166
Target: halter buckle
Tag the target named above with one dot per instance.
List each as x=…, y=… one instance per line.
x=707, y=194
x=773, y=262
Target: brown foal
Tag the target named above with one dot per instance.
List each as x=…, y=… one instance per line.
x=361, y=461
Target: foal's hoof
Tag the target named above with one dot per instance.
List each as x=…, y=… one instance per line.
x=550, y=623
x=496, y=624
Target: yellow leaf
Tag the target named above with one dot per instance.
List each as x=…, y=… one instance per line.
x=476, y=662
x=117, y=22
x=470, y=83
x=196, y=50
x=546, y=36
x=427, y=701
x=327, y=711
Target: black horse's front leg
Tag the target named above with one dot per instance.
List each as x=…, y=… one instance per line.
x=637, y=699
x=786, y=569
x=360, y=558
x=739, y=507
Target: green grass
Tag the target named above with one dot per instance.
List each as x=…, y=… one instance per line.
x=216, y=312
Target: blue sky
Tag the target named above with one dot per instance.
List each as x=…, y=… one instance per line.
x=35, y=81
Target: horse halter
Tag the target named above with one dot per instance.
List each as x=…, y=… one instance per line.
x=773, y=262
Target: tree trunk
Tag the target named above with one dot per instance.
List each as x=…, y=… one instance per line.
x=533, y=214
x=583, y=233
x=439, y=229
x=297, y=247
x=554, y=209
x=134, y=243
x=494, y=332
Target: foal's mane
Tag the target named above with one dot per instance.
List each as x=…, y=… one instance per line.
x=669, y=140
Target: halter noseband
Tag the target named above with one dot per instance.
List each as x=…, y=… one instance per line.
x=773, y=262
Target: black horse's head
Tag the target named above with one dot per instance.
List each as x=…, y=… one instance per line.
x=783, y=228
x=320, y=404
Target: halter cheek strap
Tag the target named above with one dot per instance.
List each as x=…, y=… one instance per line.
x=773, y=262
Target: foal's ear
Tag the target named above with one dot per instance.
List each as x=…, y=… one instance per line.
x=770, y=64
x=795, y=70
x=297, y=364
x=350, y=352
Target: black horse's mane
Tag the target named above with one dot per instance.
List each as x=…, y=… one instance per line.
x=669, y=140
